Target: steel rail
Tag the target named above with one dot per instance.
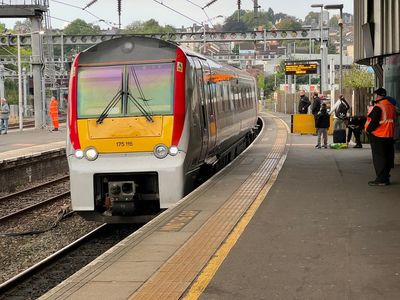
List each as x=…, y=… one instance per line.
x=14, y=281
x=34, y=206
x=31, y=189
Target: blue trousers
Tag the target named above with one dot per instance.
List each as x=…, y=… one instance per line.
x=3, y=125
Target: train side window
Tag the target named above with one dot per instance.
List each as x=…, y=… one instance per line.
x=230, y=97
x=238, y=98
x=225, y=97
x=219, y=97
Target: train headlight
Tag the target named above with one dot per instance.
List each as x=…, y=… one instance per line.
x=160, y=151
x=173, y=150
x=78, y=154
x=91, y=153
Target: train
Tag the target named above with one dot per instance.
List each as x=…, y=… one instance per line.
x=145, y=118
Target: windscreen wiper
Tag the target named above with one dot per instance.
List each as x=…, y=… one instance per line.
x=137, y=83
x=140, y=107
x=117, y=97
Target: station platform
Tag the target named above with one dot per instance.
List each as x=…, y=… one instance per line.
x=30, y=142
x=283, y=221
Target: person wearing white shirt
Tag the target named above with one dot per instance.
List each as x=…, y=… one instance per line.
x=340, y=113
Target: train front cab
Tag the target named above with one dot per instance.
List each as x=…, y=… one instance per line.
x=126, y=116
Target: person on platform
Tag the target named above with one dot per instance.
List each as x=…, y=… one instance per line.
x=322, y=123
x=304, y=103
x=53, y=112
x=380, y=130
x=4, y=116
x=339, y=111
x=316, y=107
x=355, y=126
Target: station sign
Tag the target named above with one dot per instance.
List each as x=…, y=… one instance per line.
x=301, y=69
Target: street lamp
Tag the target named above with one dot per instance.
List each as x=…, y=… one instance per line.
x=20, y=100
x=321, y=88
x=340, y=7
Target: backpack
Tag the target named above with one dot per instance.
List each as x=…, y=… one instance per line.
x=341, y=111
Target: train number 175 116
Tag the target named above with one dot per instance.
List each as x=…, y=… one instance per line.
x=124, y=144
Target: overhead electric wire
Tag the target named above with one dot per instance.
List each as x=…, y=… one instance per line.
x=209, y=3
x=204, y=11
x=84, y=9
x=52, y=17
x=195, y=4
x=174, y=10
x=89, y=4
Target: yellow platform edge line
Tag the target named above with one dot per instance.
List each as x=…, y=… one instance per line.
x=216, y=261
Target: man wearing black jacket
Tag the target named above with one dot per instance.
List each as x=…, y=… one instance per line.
x=304, y=103
x=315, y=107
x=380, y=129
x=322, y=123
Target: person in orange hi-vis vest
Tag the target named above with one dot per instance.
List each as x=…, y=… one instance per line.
x=380, y=129
x=53, y=112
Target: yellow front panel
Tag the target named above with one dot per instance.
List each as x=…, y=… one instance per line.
x=128, y=134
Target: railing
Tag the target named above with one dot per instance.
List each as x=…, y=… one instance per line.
x=183, y=37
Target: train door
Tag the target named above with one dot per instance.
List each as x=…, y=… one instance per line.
x=199, y=85
x=209, y=94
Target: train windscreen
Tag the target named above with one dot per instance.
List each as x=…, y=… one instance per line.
x=153, y=85
x=132, y=90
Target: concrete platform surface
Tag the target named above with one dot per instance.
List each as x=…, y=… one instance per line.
x=321, y=232
x=29, y=141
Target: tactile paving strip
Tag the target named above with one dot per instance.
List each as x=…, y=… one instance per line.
x=176, y=275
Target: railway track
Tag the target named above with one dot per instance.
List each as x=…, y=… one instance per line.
x=12, y=205
x=31, y=123
x=46, y=274
x=27, y=124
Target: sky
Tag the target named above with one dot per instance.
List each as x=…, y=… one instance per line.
x=180, y=12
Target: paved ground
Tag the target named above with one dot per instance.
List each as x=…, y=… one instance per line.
x=29, y=141
x=321, y=233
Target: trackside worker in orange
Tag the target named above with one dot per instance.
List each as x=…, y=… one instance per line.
x=380, y=128
x=53, y=112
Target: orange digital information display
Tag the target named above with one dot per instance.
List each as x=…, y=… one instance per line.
x=301, y=69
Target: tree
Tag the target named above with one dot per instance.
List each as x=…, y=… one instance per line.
x=269, y=15
x=79, y=26
x=333, y=22
x=331, y=48
x=289, y=23
x=278, y=17
x=270, y=80
x=11, y=91
x=232, y=24
x=260, y=81
x=23, y=27
x=248, y=22
x=357, y=77
x=311, y=18
x=150, y=26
